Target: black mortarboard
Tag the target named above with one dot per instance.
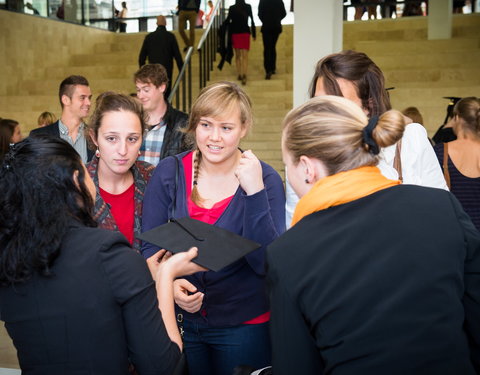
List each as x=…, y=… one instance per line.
x=217, y=247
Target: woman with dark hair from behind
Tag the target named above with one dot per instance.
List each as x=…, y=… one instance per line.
x=10, y=133
x=75, y=298
x=368, y=290
x=460, y=159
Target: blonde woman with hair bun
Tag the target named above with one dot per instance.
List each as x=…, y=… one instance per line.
x=226, y=313
x=374, y=277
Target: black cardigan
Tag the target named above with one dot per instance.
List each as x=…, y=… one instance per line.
x=386, y=284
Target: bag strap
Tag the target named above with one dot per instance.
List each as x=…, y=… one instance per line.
x=446, y=173
x=397, y=161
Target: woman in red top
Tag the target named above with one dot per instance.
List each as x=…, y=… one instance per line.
x=116, y=129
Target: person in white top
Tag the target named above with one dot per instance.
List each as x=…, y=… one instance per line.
x=356, y=77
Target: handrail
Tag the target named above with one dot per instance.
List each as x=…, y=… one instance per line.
x=209, y=26
x=181, y=79
x=206, y=49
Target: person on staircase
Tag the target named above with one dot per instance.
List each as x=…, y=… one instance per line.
x=238, y=15
x=161, y=47
x=271, y=13
x=188, y=11
x=164, y=123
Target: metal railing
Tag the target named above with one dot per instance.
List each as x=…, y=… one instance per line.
x=206, y=51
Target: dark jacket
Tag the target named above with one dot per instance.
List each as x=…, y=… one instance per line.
x=142, y=171
x=386, y=284
x=224, y=48
x=271, y=13
x=183, y=5
x=174, y=139
x=236, y=293
x=96, y=312
x=161, y=47
x=238, y=16
x=54, y=131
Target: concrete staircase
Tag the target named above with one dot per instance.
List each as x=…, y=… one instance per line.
x=422, y=71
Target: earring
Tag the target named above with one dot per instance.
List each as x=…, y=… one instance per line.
x=139, y=153
x=97, y=153
x=306, y=181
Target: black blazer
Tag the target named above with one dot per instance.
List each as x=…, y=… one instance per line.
x=54, y=131
x=271, y=13
x=161, y=47
x=386, y=284
x=97, y=311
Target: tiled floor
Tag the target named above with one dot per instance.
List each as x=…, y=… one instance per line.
x=8, y=354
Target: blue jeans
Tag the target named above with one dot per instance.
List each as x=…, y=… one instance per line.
x=217, y=351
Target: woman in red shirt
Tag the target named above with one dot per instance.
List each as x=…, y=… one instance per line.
x=116, y=129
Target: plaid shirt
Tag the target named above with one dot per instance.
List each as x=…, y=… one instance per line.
x=151, y=148
x=142, y=172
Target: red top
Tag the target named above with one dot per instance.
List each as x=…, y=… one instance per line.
x=210, y=216
x=122, y=207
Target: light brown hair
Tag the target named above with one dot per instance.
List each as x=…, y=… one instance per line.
x=214, y=101
x=156, y=74
x=330, y=128
x=46, y=118
x=414, y=114
x=112, y=102
x=468, y=111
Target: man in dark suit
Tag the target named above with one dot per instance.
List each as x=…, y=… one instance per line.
x=75, y=98
x=161, y=47
x=271, y=13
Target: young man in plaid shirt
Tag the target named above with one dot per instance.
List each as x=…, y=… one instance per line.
x=163, y=137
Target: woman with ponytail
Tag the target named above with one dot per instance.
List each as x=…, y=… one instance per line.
x=225, y=313
x=460, y=159
x=366, y=281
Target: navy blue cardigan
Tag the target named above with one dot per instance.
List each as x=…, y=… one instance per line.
x=236, y=293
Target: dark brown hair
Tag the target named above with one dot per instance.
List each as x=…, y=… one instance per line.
x=67, y=87
x=7, y=127
x=359, y=69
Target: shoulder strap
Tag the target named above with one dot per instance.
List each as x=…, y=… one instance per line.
x=397, y=161
x=446, y=173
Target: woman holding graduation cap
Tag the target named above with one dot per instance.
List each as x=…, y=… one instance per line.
x=225, y=313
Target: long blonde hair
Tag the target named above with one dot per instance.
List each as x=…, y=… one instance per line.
x=331, y=129
x=214, y=101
